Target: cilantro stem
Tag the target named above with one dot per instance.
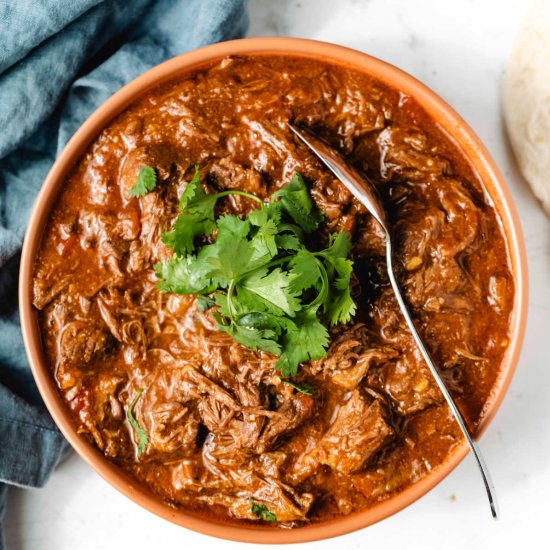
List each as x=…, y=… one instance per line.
x=292, y=228
x=230, y=307
x=143, y=439
x=243, y=194
x=323, y=294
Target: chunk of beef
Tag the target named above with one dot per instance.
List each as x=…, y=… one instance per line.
x=370, y=243
x=100, y=413
x=350, y=356
x=197, y=385
x=431, y=240
x=231, y=175
x=461, y=215
x=332, y=199
x=406, y=378
x=417, y=230
x=335, y=201
x=98, y=231
x=314, y=105
x=359, y=429
x=172, y=427
x=98, y=177
x=257, y=423
x=243, y=373
x=256, y=477
x=407, y=381
x=253, y=430
x=176, y=400
x=292, y=411
x=458, y=342
x=232, y=389
x=280, y=499
x=238, y=369
x=110, y=318
x=405, y=155
x=129, y=315
x=438, y=284
x=431, y=430
x=271, y=494
x=81, y=342
x=47, y=288
x=267, y=145
x=128, y=225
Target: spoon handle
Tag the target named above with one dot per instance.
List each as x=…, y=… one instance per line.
x=489, y=487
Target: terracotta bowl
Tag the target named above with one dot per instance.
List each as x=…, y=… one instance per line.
x=448, y=120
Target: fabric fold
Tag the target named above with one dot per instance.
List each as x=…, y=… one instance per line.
x=26, y=24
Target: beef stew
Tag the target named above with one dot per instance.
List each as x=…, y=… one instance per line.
x=226, y=433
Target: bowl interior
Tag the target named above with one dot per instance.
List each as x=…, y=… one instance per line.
x=450, y=123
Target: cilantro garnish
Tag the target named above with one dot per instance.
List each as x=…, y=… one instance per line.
x=261, y=511
x=146, y=181
x=143, y=439
x=296, y=202
x=266, y=288
x=304, y=388
x=204, y=303
x=196, y=218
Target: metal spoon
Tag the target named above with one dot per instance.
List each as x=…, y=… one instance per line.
x=366, y=194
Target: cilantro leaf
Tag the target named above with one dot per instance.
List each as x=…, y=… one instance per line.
x=250, y=301
x=229, y=261
x=265, y=230
x=231, y=227
x=143, y=438
x=196, y=218
x=266, y=321
x=193, y=191
x=273, y=287
x=265, y=248
x=308, y=341
x=339, y=306
x=297, y=203
x=183, y=276
x=287, y=241
x=262, y=512
x=259, y=218
x=227, y=308
x=273, y=211
x=252, y=338
x=146, y=181
x=186, y=228
x=204, y=303
x=339, y=245
x=304, y=270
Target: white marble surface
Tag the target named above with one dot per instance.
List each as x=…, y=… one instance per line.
x=459, y=48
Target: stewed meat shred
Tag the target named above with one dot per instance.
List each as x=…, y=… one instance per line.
x=224, y=430
x=356, y=432
x=80, y=342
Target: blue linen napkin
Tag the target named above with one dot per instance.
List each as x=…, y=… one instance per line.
x=59, y=60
